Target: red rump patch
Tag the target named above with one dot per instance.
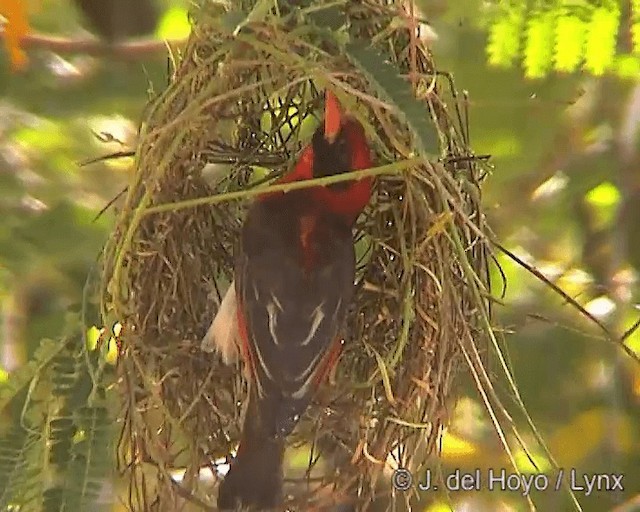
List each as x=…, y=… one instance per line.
x=329, y=361
x=247, y=355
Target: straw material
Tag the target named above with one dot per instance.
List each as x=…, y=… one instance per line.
x=244, y=98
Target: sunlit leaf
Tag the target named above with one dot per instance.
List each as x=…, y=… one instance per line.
x=635, y=26
x=93, y=335
x=601, y=39
x=518, y=288
x=505, y=144
x=309, y=123
x=454, y=447
x=633, y=340
x=174, y=24
x=538, y=48
x=525, y=464
x=570, y=33
x=15, y=12
x=299, y=457
x=258, y=173
x=627, y=66
x=439, y=506
x=574, y=281
x=594, y=426
x=604, y=195
x=635, y=37
x=504, y=36
x=45, y=136
x=604, y=200
x=111, y=356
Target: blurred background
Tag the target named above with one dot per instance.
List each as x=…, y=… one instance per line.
x=554, y=98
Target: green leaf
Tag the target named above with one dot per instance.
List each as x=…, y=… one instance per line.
x=260, y=12
x=604, y=199
x=21, y=378
x=635, y=26
x=11, y=187
x=601, y=39
x=13, y=460
x=174, y=24
x=66, y=233
x=538, y=48
x=230, y=20
x=633, y=340
x=395, y=90
x=635, y=37
x=92, y=459
x=92, y=337
x=627, y=66
x=84, y=461
x=504, y=36
x=569, y=43
x=604, y=195
x=330, y=17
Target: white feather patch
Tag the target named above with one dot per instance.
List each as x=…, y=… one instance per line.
x=317, y=315
x=223, y=335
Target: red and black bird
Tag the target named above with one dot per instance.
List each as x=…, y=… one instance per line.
x=294, y=280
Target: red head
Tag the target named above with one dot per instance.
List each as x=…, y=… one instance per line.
x=338, y=145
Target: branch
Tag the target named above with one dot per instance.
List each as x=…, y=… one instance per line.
x=126, y=50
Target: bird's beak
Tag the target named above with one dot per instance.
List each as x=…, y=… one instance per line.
x=332, y=116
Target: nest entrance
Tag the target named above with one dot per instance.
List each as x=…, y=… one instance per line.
x=242, y=102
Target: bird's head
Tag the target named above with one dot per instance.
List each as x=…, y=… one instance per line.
x=339, y=144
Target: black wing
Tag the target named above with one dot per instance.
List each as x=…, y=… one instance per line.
x=294, y=289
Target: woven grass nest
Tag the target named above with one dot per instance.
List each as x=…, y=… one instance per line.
x=244, y=97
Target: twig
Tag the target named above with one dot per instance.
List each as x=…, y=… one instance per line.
x=126, y=50
x=110, y=156
x=393, y=168
x=610, y=336
x=110, y=203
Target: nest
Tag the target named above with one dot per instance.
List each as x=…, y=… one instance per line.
x=243, y=100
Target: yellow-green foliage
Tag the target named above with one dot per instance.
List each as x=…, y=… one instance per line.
x=562, y=36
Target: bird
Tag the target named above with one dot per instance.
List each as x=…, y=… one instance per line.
x=286, y=309
x=114, y=20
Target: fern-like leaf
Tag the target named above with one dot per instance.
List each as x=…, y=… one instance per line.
x=79, y=436
x=505, y=35
x=563, y=33
x=635, y=26
x=14, y=446
x=569, y=43
x=21, y=378
x=539, y=45
x=28, y=492
x=395, y=90
x=92, y=458
x=601, y=39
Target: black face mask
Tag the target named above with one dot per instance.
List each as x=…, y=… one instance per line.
x=330, y=159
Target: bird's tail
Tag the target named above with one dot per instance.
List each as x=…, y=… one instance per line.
x=254, y=480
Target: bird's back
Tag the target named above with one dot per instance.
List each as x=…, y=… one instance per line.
x=297, y=283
